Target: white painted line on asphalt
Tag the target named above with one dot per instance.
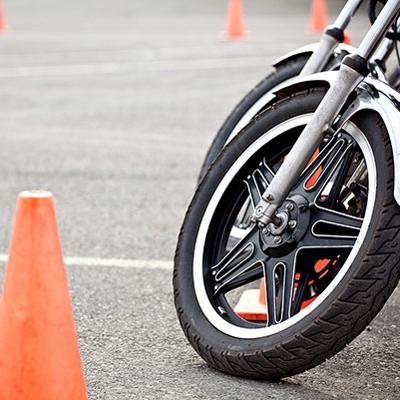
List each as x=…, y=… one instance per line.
x=110, y=262
x=118, y=262
x=219, y=50
x=59, y=70
x=112, y=68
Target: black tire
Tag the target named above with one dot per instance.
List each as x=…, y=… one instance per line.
x=283, y=72
x=348, y=309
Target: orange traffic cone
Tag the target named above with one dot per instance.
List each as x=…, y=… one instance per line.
x=2, y=19
x=319, y=16
x=235, y=21
x=252, y=304
x=39, y=355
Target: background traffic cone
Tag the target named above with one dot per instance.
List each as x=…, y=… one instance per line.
x=39, y=355
x=235, y=28
x=252, y=304
x=319, y=16
x=2, y=19
x=347, y=38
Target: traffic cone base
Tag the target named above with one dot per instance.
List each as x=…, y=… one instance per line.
x=250, y=307
x=39, y=355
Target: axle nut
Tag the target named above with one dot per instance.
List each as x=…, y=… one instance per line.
x=290, y=207
x=292, y=224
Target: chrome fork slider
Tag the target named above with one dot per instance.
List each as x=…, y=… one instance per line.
x=352, y=72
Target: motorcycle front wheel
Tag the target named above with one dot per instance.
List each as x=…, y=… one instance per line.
x=325, y=271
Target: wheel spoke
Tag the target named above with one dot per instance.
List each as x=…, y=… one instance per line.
x=339, y=181
x=279, y=282
x=300, y=289
x=243, y=220
x=323, y=168
x=258, y=181
x=329, y=228
x=241, y=265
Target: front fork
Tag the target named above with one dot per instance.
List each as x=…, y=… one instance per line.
x=353, y=70
x=333, y=35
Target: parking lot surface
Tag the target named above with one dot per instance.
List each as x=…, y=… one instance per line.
x=111, y=105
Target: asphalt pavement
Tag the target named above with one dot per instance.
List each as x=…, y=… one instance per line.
x=111, y=106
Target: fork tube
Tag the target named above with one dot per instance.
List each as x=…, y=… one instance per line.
x=380, y=57
x=378, y=29
x=352, y=71
x=333, y=35
x=347, y=13
x=320, y=57
x=383, y=52
x=300, y=154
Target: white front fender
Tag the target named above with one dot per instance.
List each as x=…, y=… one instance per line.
x=379, y=97
x=284, y=89
x=260, y=104
x=309, y=49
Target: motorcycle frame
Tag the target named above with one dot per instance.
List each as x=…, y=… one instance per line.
x=353, y=71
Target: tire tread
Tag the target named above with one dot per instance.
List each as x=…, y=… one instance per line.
x=339, y=325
